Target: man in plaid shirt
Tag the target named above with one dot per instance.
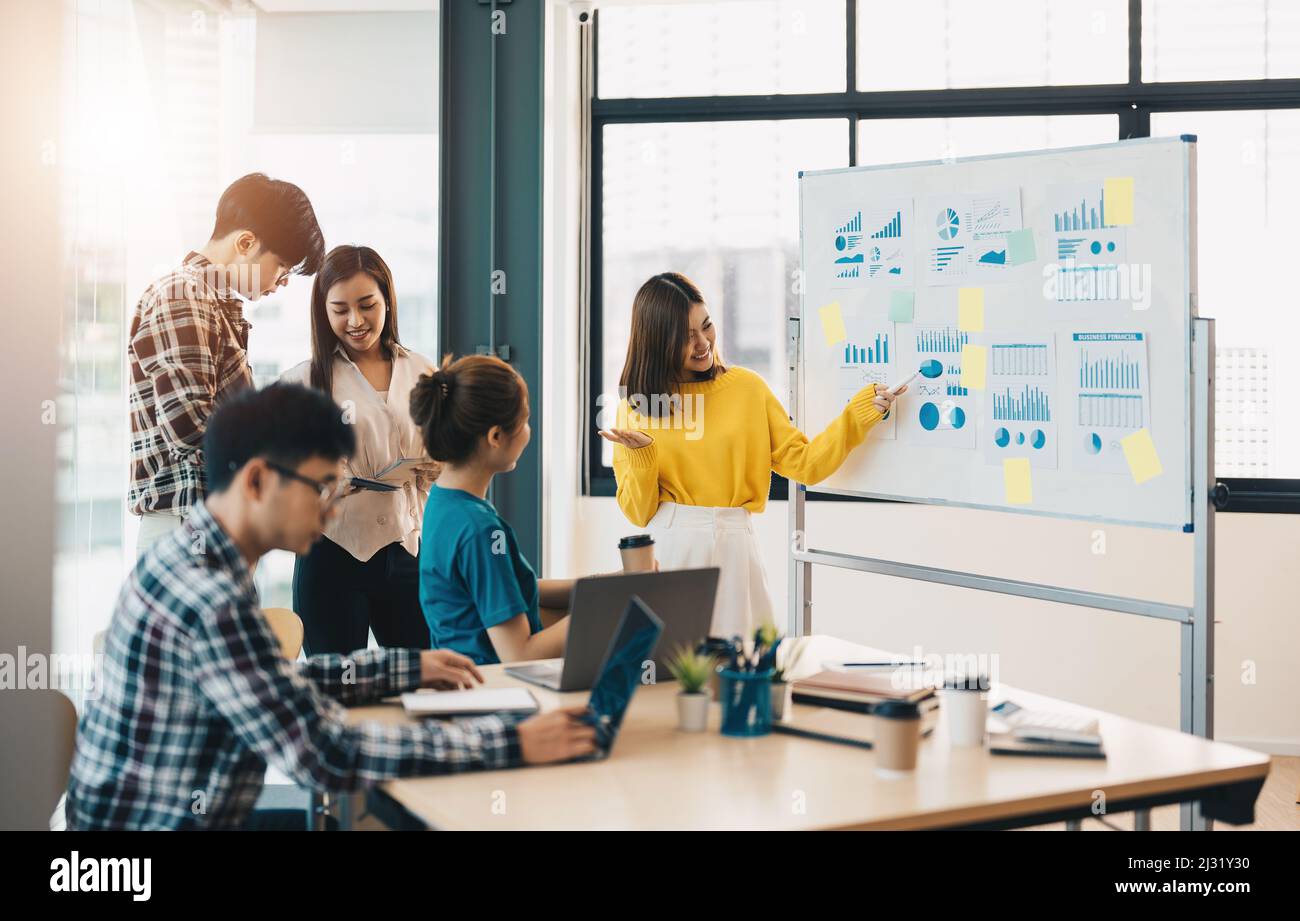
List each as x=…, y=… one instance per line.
x=188, y=341
x=197, y=699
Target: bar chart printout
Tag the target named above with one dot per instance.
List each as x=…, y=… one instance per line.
x=1091, y=255
x=1019, y=407
x=1111, y=397
x=866, y=357
x=869, y=244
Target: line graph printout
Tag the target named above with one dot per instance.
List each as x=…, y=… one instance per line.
x=966, y=235
x=1020, y=412
x=1112, y=397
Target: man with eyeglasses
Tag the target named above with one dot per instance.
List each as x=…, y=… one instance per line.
x=197, y=698
x=188, y=344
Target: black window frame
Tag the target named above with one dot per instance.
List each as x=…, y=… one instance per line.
x=1132, y=102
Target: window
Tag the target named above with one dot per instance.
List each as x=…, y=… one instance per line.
x=706, y=111
x=1220, y=39
x=1248, y=164
x=901, y=140
x=716, y=201
x=722, y=49
x=942, y=44
x=168, y=103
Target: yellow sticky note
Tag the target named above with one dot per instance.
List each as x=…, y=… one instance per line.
x=833, y=323
x=970, y=310
x=1018, y=481
x=974, y=366
x=1140, y=452
x=1117, y=201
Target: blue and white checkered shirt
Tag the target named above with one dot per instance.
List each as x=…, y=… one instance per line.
x=197, y=700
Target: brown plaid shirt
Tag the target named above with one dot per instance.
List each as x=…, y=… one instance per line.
x=188, y=349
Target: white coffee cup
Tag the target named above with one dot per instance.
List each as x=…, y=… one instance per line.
x=965, y=705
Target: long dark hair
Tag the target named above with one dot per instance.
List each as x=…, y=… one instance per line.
x=462, y=400
x=341, y=263
x=660, y=328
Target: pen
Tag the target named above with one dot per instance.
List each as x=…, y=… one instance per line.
x=881, y=664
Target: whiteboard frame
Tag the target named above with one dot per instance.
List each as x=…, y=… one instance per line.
x=1187, y=144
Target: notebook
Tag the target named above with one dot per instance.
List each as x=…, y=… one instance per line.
x=830, y=724
x=854, y=690
x=390, y=478
x=470, y=703
x=1000, y=744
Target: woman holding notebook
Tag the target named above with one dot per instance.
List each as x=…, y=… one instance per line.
x=362, y=575
x=696, y=442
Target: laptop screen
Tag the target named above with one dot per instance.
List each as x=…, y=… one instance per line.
x=625, y=663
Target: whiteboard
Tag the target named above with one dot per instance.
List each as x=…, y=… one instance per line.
x=1085, y=338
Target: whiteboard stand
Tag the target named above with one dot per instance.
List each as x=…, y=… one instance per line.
x=1196, y=623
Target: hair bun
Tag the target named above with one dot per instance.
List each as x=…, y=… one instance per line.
x=428, y=395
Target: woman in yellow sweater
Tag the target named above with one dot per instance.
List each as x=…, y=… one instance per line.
x=697, y=442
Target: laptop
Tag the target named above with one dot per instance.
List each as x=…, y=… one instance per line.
x=684, y=597
x=621, y=671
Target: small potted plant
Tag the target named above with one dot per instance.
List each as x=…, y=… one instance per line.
x=787, y=657
x=692, y=670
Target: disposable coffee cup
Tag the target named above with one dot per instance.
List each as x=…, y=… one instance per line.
x=897, y=736
x=965, y=706
x=638, y=552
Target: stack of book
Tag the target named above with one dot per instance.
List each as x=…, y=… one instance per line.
x=832, y=705
x=857, y=691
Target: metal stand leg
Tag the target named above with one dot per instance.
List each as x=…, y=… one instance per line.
x=799, y=620
x=1197, y=640
x=1142, y=820
x=1074, y=825
x=799, y=591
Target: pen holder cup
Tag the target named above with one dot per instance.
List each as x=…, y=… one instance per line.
x=746, y=702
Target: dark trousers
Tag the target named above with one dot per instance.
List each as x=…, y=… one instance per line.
x=339, y=598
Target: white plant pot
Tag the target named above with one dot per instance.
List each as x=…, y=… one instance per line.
x=693, y=712
x=782, y=692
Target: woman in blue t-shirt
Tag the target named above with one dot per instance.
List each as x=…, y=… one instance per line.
x=479, y=595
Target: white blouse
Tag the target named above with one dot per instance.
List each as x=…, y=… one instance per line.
x=366, y=521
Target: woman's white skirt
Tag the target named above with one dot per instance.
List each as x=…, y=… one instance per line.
x=694, y=536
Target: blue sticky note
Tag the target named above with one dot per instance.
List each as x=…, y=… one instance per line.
x=1020, y=247
x=902, y=305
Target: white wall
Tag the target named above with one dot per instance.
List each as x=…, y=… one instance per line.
x=30, y=47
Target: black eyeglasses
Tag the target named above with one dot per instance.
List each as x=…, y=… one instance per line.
x=329, y=491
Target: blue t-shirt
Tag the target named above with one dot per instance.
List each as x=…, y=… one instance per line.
x=472, y=575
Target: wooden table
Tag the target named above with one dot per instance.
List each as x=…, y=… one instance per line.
x=660, y=778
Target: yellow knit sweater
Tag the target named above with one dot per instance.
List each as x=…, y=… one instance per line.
x=721, y=447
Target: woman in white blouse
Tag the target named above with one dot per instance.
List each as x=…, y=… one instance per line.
x=363, y=574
